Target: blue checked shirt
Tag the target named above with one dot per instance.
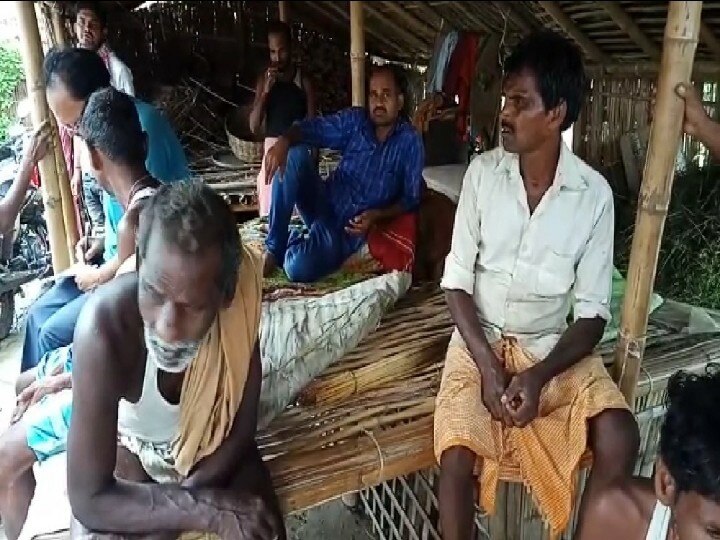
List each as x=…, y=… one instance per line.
x=371, y=174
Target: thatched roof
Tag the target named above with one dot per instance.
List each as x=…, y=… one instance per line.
x=608, y=32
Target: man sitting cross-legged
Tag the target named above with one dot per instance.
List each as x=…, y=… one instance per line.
x=166, y=383
x=533, y=239
x=683, y=500
x=111, y=130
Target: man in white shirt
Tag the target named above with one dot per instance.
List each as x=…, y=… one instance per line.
x=91, y=33
x=521, y=390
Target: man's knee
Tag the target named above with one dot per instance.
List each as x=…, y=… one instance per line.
x=15, y=455
x=24, y=380
x=615, y=438
x=458, y=462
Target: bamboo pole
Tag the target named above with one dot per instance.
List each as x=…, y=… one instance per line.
x=49, y=33
x=283, y=10
x=58, y=25
x=31, y=50
x=680, y=42
x=357, y=53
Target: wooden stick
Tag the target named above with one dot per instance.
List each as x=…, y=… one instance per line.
x=357, y=53
x=680, y=42
x=32, y=56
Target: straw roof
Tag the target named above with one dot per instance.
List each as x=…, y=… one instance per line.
x=607, y=32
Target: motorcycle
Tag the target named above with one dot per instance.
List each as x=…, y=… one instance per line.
x=24, y=250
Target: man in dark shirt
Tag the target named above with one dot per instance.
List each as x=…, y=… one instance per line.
x=378, y=179
x=283, y=96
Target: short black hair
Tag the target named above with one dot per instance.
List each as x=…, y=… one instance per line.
x=557, y=65
x=80, y=70
x=111, y=124
x=95, y=7
x=282, y=28
x=690, y=435
x=193, y=217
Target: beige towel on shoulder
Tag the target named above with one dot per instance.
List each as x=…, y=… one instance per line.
x=215, y=381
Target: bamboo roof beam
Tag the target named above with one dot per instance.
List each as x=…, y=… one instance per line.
x=554, y=10
x=507, y=10
x=410, y=19
x=707, y=36
x=701, y=68
x=345, y=17
x=413, y=42
x=465, y=11
x=679, y=46
x=625, y=22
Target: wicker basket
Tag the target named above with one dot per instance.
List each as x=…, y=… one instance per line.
x=244, y=144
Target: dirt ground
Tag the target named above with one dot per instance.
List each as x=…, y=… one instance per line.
x=327, y=522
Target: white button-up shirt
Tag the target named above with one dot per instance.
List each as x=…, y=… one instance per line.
x=526, y=272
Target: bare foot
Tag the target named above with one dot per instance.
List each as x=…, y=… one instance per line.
x=270, y=264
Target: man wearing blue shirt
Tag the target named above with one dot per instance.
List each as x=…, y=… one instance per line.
x=71, y=76
x=378, y=179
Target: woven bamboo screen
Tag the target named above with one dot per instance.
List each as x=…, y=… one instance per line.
x=617, y=106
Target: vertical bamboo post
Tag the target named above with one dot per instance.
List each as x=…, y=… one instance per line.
x=283, y=10
x=357, y=53
x=47, y=32
x=31, y=50
x=679, y=44
x=58, y=25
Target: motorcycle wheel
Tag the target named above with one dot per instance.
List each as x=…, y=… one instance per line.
x=7, y=313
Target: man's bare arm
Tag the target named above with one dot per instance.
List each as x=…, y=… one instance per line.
x=697, y=123
x=576, y=343
x=98, y=500
x=12, y=202
x=216, y=470
x=257, y=114
x=464, y=313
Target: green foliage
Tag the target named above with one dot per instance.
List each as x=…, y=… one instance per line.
x=689, y=264
x=11, y=73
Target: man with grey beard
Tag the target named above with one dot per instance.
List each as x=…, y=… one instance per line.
x=166, y=382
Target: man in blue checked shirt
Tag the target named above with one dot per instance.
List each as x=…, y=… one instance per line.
x=378, y=179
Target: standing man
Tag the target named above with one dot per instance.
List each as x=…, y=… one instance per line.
x=533, y=239
x=166, y=383
x=283, y=96
x=91, y=34
x=376, y=183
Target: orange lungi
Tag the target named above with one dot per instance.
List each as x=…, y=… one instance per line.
x=547, y=452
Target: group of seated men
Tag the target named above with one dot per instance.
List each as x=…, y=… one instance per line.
x=155, y=393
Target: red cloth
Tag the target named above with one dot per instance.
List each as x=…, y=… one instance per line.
x=460, y=75
x=393, y=245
